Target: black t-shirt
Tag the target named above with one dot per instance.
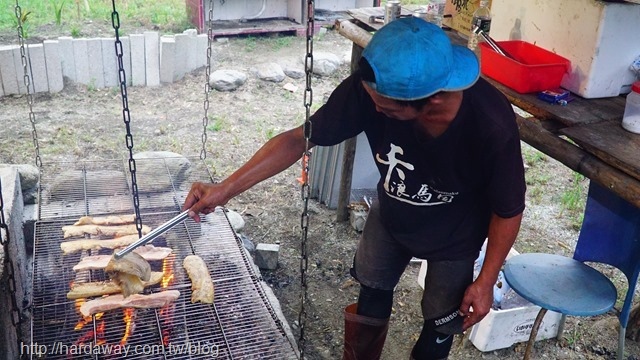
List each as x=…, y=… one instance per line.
x=436, y=194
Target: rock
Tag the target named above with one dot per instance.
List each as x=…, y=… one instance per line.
x=325, y=63
x=247, y=243
x=227, y=80
x=266, y=256
x=269, y=72
x=235, y=219
x=292, y=69
x=152, y=168
x=29, y=175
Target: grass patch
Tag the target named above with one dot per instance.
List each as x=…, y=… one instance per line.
x=169, y=15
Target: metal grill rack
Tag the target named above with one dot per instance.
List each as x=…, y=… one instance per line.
x=241, y=324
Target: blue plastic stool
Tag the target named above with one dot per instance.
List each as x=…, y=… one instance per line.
x=610, y=234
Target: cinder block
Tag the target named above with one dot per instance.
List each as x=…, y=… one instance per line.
x=182, y=47
x=138, y=68
x=38, y=68
x=152, y=57
x=192, y=47
x=167, y=58
x=109, y=62
x=17, y=60
x=81, y=60
x=202, y=43
x=96, y=72
x=67, y=58
x=8, y=70
x=266, y=256
x=126, y=59
x=54, y=65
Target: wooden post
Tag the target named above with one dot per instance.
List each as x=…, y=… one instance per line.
x=348, y=155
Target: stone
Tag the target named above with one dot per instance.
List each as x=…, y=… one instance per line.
x=138, y=70
x=152, y=168
x=152, y=57
x=8, y=70
x=266, y=256
x=227, y=80
x=292, y=69
x=325, y=63
x=269, y=72
x=192, y=48
x=67, y=58
x=96, y=75
x=180, y=61
x=29, y=174
x=202, y=43
x=17, y=60
x=236, y=220
x=81, y=60
x=54, y=65
x=39, y=82
x=109, y=63
x=126, y=59
x=167, y=59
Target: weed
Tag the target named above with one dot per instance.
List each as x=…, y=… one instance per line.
x=57, y=9
x=216, y=125
x=269, y=133
x=573, y=200
x=282, y=42
x=75, y=32
x=250, y=43
x=91, y=86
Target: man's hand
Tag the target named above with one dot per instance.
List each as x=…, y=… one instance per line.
x=203, y=198
x=480, y=298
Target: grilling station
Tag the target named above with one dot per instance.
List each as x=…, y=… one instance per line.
x=42, y=319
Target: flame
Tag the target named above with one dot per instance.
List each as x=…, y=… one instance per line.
x=88, y=336
x=85, y=319
x=128, y=320
x=166, y=313
x=167, y=271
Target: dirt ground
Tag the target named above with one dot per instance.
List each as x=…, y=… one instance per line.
x=84, y=123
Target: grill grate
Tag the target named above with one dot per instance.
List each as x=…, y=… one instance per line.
x=241, y=324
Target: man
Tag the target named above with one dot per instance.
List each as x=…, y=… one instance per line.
x=448, y=151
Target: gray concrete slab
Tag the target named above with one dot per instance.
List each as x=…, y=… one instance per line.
x=182, y=49
x=8, y=70
x=192, y=48
x=138, y=67
x=38, y=68
x=96, y=72
x=152, y=57
x=17, y=60
x=109, y=62
x=67, y=58
x=167, y=58
x=126, y=58
x=54, y=65
x=81, y=60
x=202, y=43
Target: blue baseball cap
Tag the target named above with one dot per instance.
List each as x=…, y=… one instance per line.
x=414, y=59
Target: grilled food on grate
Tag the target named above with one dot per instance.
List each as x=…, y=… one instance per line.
x=148, y=252
x=139, y=301
x=129, y=272
x=201, y=283
x=99, y=288
x=106, y=220
x=102, y=230
x=70, y=247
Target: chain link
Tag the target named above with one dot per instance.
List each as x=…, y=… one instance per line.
x=305, y=189
x=26, y=67
x=16, y=318
x=207, y=86
x=126, y=115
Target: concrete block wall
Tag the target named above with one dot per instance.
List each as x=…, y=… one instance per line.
x=148, y=60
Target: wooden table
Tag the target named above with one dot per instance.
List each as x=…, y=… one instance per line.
x=586, y=135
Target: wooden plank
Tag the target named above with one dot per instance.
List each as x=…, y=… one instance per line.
x=579, y=160
x=609, y=142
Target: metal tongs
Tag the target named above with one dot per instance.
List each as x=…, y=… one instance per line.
x=153, y=234
x=477, y=30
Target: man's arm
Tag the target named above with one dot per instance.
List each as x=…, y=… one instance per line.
x=479, y=295
x=274, y=156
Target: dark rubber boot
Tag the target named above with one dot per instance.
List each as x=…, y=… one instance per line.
x=363, y=336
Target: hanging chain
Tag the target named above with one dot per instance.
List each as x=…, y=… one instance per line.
x=115, y=22
x=16, y=319
x=304, y=221
x=207, y=86
x=27, y=83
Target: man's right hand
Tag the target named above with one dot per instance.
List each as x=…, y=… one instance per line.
x=203, y=198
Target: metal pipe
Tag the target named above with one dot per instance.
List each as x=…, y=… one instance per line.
x=153, y=234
